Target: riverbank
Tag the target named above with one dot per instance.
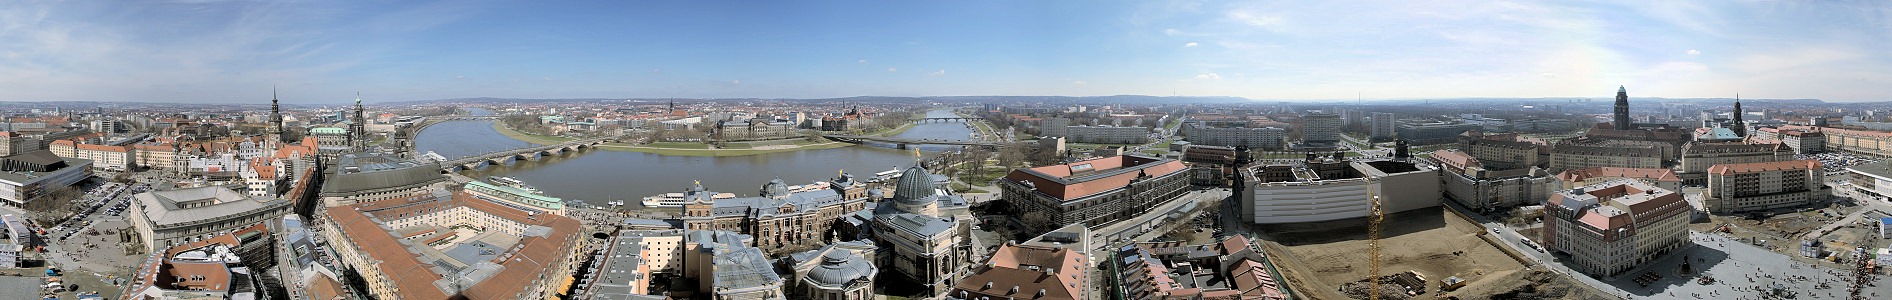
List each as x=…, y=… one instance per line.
x=527, y=137
x=685, y=149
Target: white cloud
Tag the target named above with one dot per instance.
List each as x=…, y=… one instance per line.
x=863, y=61
x=1190, y=45
x=1208, y=76
x=1079, y=82
x=1252, y=18
x=1694, y=52
x=459, y=77
x=735, y=82
x=1547, y=75
x=892, y=70
x=937, y=73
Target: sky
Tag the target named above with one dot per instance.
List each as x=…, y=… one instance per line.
x=326, y=51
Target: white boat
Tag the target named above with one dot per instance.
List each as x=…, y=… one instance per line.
x=677, y=199
x=886, y=175
x=515, y=183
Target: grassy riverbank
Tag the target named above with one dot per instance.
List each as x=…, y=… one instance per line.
x=527, y=137
x=682, y=148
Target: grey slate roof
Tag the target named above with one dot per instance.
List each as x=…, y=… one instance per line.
x=761, y=206
x=161, y=207
x=371, y=172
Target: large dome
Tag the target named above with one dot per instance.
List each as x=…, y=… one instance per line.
x=915, y=186
x=838, y=268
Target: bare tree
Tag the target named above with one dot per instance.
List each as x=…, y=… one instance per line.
x=1011, y=155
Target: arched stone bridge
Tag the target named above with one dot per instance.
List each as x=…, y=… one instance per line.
x=503, y=157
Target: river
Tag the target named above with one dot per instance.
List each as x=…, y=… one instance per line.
x=599, y=176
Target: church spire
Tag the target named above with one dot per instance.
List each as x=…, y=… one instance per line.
x=275, y=116
x=1740, y=128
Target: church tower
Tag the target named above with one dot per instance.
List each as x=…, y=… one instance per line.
x=275, y=119
x=1740, y=128
x=357, y=137
x=1622, y=108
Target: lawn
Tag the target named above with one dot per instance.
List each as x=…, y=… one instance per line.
x=678, y=145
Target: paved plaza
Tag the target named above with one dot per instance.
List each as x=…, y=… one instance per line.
x=1740, y=271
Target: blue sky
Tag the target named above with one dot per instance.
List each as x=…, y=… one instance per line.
x=324, y=51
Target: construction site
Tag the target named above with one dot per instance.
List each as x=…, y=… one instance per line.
x=1420, y=252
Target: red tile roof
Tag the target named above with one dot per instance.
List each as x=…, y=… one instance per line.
x=1731, y=169
x=1656, y=174
x=1060, y=274
x=413, y=278
x=1046, y=179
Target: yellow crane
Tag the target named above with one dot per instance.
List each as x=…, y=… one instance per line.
x=1373, y=246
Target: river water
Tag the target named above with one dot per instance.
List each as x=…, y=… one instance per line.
x=599, y=176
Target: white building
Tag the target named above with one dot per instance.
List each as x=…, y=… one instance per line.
x=1611, y=227
x=1383, y=126
x=1315, y=191
x=172, y=217
x=1265, y=137
x=1054, y=127
x=29, y=176
x=1108, y=134
x=1320, y=128
x=1765, y=185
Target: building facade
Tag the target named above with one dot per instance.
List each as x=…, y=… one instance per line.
x=1258, y=138
x=106, y=157
x=1108, y=134
x=1804, y=142
x=1094, y=192
x=1383, y=126
x=447, y=245
x=1321, y=128
x=174, y=217
x=1611, y=227
x=1745, y=187
x=915, y=240
x=1468, y=183
x=1501, y=151
x=1698, y=157
x=27, y=177
x=1574, y=156
x=782, y=215
x=1327, y=189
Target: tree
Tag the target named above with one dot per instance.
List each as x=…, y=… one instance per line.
x=1011, y=155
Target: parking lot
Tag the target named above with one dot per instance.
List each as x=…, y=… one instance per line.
x=1836, y=162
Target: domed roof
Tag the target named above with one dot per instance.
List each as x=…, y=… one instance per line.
x=915, y=186
x=775, y=188
x=838, y=268
x=874, y=194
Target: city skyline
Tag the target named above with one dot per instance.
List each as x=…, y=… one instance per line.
x=322, y=52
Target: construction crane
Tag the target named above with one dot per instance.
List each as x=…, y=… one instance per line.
x=1373, y=246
